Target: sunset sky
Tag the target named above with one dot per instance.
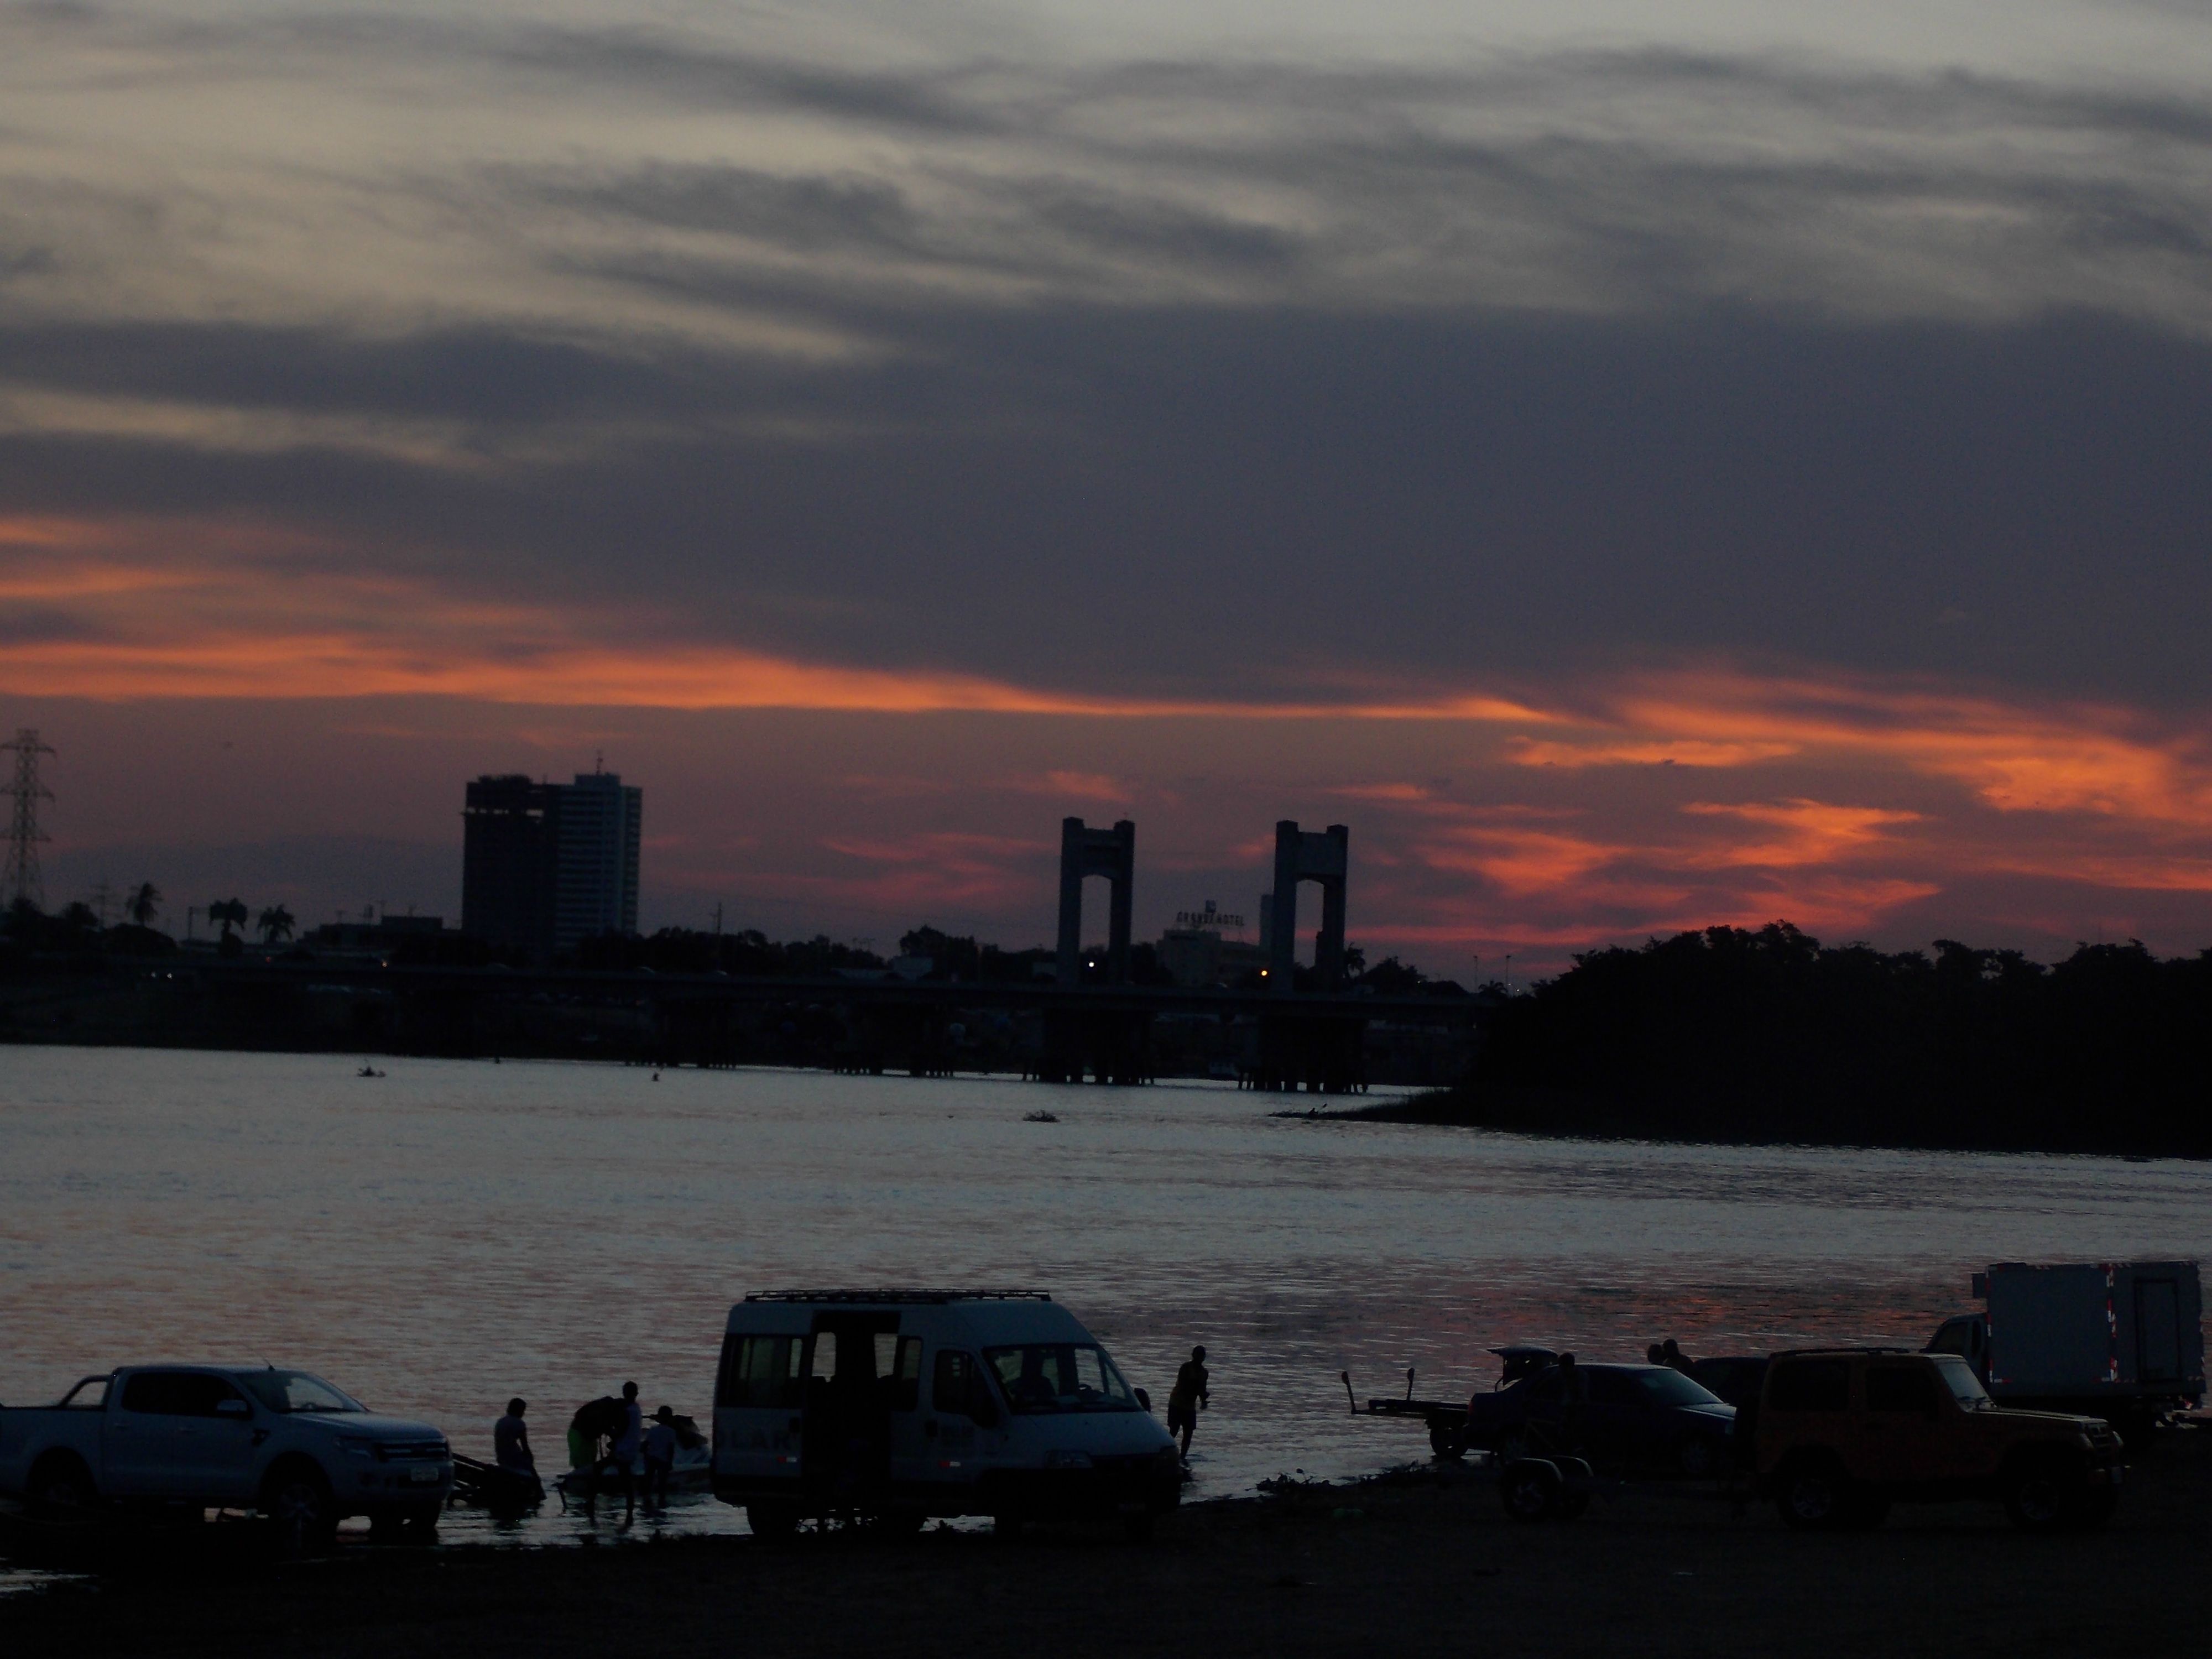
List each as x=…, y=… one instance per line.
x=1638, y=465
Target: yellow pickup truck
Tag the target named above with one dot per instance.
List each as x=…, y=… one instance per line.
x=1840, y=1434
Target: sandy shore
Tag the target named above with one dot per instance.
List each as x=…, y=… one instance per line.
x=1416, y=1563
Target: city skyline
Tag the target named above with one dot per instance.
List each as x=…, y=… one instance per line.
x=1641, y=471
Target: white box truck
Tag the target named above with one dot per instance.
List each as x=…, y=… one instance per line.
x=2123, y=1340
x=893, y=1406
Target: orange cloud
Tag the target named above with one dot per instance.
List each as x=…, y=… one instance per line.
x=1526, y=751
x=1814, y=832
x=1521, y=861
x=2074, y=758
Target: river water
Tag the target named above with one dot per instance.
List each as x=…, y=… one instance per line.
x=455, y=1232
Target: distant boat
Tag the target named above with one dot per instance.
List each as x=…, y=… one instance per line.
x=368, y=1070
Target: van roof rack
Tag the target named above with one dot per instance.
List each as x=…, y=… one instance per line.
x=908, y=1295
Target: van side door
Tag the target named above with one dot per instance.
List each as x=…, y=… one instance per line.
x=898, y=1369
x=965, y=1425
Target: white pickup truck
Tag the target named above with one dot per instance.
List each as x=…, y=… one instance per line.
x=192, y=1438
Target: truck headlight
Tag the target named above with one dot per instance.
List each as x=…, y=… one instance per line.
x=353, y=1446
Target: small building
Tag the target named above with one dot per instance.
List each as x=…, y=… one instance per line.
x=1195, y=953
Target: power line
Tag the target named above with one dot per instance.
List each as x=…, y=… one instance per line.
x=22, y=880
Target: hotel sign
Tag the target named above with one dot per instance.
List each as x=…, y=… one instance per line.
x=1209, y=917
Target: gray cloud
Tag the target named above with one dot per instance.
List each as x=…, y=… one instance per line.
x=1207, y=501
x=1479, y=369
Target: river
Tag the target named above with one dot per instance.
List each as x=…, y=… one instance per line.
x=454, y=1232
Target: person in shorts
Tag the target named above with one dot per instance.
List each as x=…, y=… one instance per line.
x=1188, y=1398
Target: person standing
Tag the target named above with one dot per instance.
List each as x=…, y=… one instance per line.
x=629, y=1445
x=660, y=1449
x=1188, y=1398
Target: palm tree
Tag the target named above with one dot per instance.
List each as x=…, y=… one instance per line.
x=275, y=923
x=227, y=913
x=145, y=904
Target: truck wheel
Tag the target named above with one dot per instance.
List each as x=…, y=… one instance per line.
x=1866, y=1511
x=420, y=1525
x=2040, y=1496
x=1445, y=1442
x=1813, y=1496
x=2092, y=1507
x=772, y=1522
x=1530, y=1490
x=61, y=1490
x=297, y=1503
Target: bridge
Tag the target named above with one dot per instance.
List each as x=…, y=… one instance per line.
x=1078, y=1025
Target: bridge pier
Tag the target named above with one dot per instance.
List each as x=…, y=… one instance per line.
x=1112, y=1045
x=1324, y=858
x=1320, y=1054
x=1086, y=852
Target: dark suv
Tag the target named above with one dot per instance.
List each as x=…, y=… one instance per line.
x=1624, y=1419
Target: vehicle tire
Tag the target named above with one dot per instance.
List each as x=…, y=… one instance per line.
x=1866, y=1511
x=1006, y=1526
x=1530, y=1489
x=61, y=1491
x=1446, y=1442
x=419, y=1525
x=1813, y=1496
x=899, y=1523
x=2042, y=1496
x=2092, y=1507
x=297, y=1501
x=1700, y=1459
x=772, y=1522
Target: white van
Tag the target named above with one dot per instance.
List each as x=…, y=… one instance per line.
x=894, y=1406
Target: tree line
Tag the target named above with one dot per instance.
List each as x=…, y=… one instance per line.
x=77, y=927
x=1734, y=1034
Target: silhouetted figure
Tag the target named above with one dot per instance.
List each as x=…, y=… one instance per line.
x=660, y=1446
x=1188, y=1398
x=629, y=1446
x=594, y=1432
x=1671, y=1354
x=1655, y=1354
x=510, y=1445
x=510, y=1440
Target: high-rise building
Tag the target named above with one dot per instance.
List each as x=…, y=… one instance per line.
x=545, y=865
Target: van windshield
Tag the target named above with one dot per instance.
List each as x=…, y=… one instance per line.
x=1060, y=1376
x=1966, y=1388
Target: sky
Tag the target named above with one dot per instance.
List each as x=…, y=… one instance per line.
x=1640, y=466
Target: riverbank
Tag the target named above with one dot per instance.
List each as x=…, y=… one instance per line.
x=1566, y=1114
x=1414, y=1563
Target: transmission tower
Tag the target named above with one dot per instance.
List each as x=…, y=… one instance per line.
x=22, y=880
